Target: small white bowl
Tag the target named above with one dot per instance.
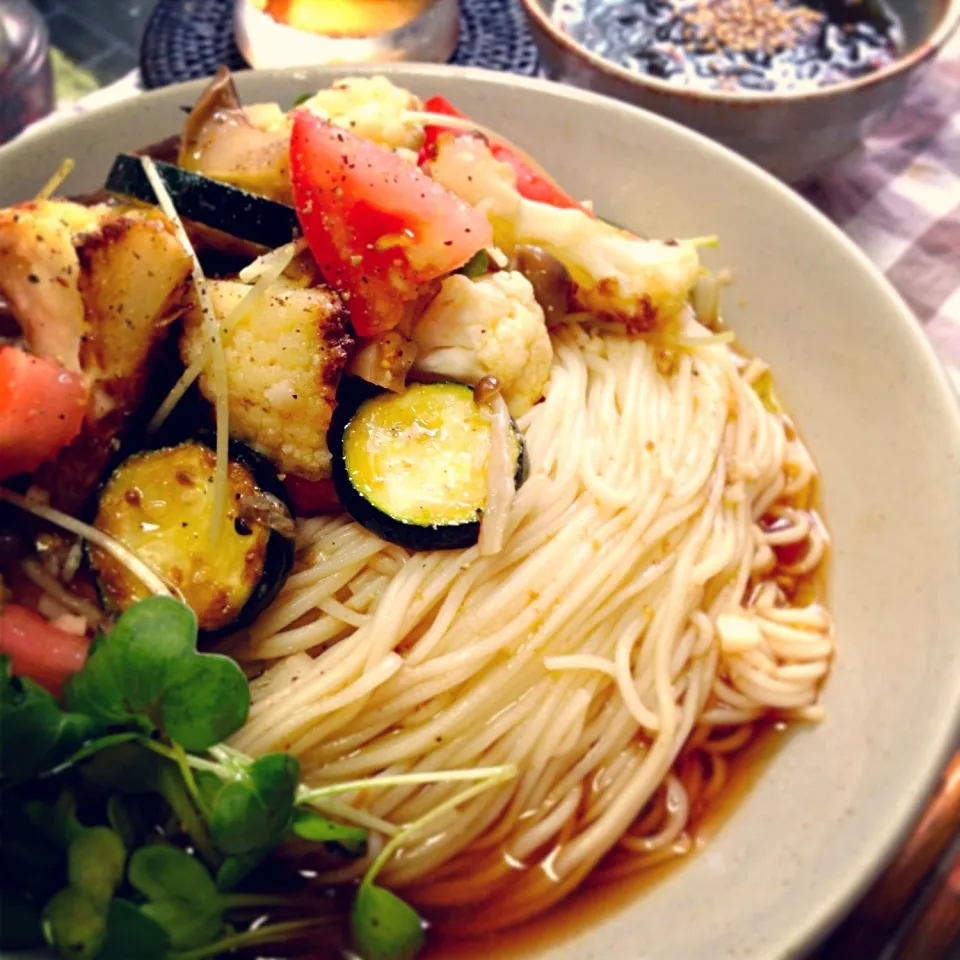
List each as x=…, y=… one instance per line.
x=430, y=38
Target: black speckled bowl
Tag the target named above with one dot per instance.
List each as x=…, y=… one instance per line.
x=794, y=135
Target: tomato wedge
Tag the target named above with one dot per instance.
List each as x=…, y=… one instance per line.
x=39, y=650
x=530, y=183
x=311, y=497
x=41, y=410
x=378, y=226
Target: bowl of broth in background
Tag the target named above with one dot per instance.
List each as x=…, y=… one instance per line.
x=792, y=86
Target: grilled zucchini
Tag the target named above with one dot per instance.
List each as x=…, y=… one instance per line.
x=229, y=209
x=413, y=467
x=159, y=504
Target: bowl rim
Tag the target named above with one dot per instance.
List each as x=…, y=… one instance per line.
x=926, y=49
x=849, y=883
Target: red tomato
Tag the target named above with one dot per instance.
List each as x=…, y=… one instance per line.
x=311, y=496
x=530, y=183
x=39, y=650
x=378, y=227
x=41, y=410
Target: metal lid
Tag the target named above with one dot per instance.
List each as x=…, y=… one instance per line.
x=23, y=36
x=26, y=90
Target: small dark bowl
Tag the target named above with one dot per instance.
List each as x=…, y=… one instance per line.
x=794, y=135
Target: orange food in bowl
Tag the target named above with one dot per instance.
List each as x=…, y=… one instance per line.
x=344, y=18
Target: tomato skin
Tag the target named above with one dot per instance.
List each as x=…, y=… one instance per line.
x=41, y=410
x=530, y=184
x=378, y=227
x=39, y=650
x=311, y=497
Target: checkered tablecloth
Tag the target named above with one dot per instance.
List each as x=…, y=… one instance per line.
x=900, y=201
x=898, y=198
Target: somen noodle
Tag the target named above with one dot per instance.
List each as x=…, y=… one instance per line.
x=668, y=502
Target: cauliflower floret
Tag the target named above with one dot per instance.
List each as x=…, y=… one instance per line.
x=492, y=327
x=268, y=117
x=40, y=273
x=372, y=108
x=645, y=282
x=284, y=360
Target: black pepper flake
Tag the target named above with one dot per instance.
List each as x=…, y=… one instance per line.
x=33, y=278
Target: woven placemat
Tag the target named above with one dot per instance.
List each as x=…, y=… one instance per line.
x=188, y=39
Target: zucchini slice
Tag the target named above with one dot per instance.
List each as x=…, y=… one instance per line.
x=159, y=505
x=412, y=467
x=209, y=202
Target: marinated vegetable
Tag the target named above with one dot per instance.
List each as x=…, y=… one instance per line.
x=228, y=208
x=615, y=274
x=530, y=183
x=380, y=230
x=413, y=468
x=285, y=353
x=93, y=290
x=491, y=327
x=160, y=504
x=41, y=410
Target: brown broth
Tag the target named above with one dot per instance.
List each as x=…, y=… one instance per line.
x=596, y=901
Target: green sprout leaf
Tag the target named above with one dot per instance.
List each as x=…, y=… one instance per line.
x=127, y=820
x=148, y=646
x=207, y=701
x=95, y=863
x=94, y=691
x=254, y=811
x=126, y=768
x=148, y=674
x=74, y=925
x=56, y=821
x=383, y=926
x=98, y=745
x=126, y=925
x=37, y=734
x=303, y=98
x=339, y=838
x=235, y=870
x=162, y=871
x=183, y=898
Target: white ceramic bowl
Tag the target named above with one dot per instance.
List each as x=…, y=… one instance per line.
x=856, y=371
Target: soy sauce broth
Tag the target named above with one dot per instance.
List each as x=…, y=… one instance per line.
x=598, y=899
x=763, y=46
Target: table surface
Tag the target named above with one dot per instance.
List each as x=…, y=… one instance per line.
x=898, y=199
